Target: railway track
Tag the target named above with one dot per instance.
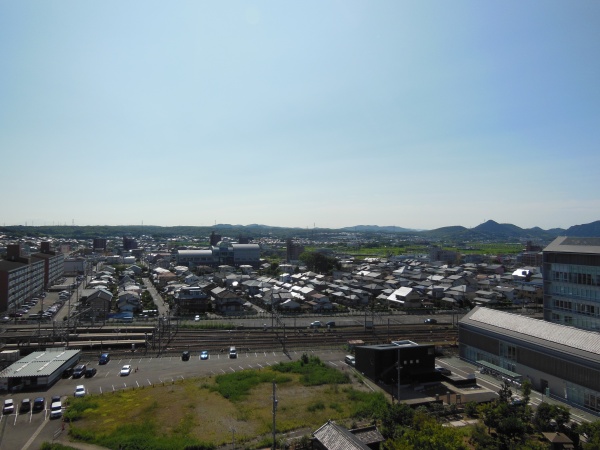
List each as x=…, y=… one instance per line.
x=153, y=340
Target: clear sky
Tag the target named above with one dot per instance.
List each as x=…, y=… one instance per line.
x=418, y=114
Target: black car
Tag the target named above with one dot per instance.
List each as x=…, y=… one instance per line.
x=330, y=324
x=79, y=371
x=90, y=372
x=25, y=405
x=67, y=372
x=430, y=321
x=185, y=356
x=39, y=404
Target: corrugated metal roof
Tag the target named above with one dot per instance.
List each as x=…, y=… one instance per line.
x=588, y=341
x=334, y=437
x=39, y=364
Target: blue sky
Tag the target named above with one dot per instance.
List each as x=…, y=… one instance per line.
x=328, y=114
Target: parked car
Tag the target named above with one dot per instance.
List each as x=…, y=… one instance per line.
x=430, y=321
x=56, y=409
x=90, y=372
x=315, y=324
x=204, y=354
x=67, y=372
x=232, y=352
x=9, y=406
x=39, y=403
x=185, y=355
x=25, y=405
x=104, y=358
x=80, y=391
x=79, y=371
x=443, y=370
x=125, y=370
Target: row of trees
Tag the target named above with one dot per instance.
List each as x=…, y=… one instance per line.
x=503, y=424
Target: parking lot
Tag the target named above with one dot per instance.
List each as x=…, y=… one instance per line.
x=30, y=429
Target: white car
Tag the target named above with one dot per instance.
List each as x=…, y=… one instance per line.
x=197, y=318
x=80, y=391
x=9, y=406
x=126, y=370
x=56, y=410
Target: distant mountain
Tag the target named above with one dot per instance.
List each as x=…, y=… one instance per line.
x=586, y=230
x=492, y=230
x=453, y=232
x=378, y=229
x=487, y=231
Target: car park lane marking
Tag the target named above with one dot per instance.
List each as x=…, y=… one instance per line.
x=35, y=434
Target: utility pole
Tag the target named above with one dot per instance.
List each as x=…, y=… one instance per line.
x=274, y=413
x=399, y=374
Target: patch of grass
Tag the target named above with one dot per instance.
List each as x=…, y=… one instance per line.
x=316, y=406
x=77, y=407
x=314, y=372
x=236, y=386
x=194, y=413
x=365, y=404
x=55, y=446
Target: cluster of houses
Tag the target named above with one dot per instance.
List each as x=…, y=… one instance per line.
x=372, y=283
x=98, y=302
x=408, y=284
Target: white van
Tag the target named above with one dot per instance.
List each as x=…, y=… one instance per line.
x=350, y=360
x=56, y=410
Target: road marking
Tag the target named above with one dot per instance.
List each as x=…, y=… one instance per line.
x=34, y=435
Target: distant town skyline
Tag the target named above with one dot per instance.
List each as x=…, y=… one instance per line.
x=329, y=114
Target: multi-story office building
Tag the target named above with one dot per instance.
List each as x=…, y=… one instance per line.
x=20, y=279
x=571, y=269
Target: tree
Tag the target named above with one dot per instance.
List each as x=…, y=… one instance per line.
x=394, y=419
x=319, y=262
x=471, y=409
x=505, y=393
x=592, y=432
x=427, y=433
x=489, y=414
x=511, y=430
x=526, y=391
x=547, y=413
